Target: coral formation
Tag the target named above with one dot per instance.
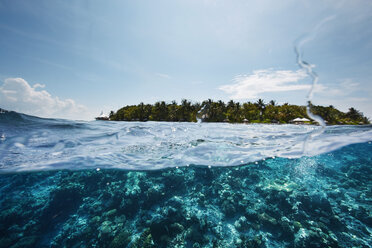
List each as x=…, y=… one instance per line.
x=322, y=201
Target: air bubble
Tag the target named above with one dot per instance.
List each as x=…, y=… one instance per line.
x=19, y=145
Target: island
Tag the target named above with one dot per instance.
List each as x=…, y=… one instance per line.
x=234, y=112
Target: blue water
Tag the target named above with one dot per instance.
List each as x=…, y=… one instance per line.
x=130, y=184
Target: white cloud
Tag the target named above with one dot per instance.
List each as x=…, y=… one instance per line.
x=261, y=81
x=39, y=86
x=17, y=94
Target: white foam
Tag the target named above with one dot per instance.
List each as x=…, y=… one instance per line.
x=157, y=145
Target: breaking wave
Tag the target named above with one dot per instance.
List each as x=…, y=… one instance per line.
x=30, y=143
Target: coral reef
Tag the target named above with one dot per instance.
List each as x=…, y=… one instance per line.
x=322, y=201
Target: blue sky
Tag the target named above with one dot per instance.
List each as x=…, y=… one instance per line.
x=72, y=59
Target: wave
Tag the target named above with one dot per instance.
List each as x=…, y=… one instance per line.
x=11, y=117
x=32, y=143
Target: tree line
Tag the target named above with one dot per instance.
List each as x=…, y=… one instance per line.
x=233, y=112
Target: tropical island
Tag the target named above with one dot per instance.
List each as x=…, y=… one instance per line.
x=234, y=112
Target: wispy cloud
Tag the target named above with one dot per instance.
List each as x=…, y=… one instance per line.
x=262, y=81
x=31, y=35
x=345, y=88
x=357, y=99
x=17, y=94
x=197, y=82
x=163, y=75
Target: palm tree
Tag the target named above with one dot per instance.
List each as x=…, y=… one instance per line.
x=231, y=104
x=261, y=105
x=141, y=111
x=354, y=114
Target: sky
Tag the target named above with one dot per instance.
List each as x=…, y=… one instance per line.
x=74, y=59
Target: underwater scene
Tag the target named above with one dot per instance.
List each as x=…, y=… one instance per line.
x=155, y=184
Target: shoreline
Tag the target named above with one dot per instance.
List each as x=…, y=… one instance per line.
x=249, y=123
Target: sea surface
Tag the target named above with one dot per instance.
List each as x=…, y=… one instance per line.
x=156, y=184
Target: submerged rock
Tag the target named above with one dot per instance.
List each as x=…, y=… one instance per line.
x=145, y=240
x=121, y=240
x=106, y=227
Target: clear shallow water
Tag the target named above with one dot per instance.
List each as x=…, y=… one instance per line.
x=275, y=197
x=30, y=143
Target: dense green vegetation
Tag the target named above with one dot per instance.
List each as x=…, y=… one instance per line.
x=233, y=112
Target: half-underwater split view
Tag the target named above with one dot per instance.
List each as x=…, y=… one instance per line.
x=185, y=124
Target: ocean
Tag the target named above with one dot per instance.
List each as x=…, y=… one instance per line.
x=160, y=184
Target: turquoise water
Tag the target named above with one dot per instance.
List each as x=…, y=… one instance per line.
x=107, y=184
